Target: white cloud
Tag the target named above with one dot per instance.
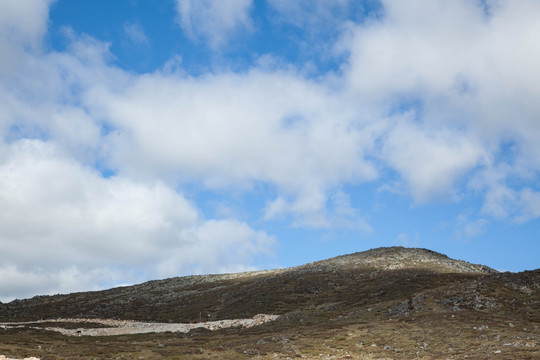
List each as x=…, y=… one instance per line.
x=214, y=20
x=499, y=201
x=276, y=208
x=24, y=21
x=73, y=127
x=135, y=33
x=470, y=75
x=62, y=221
x=219, y=246
x=432, y=90
x=23, y=24
x=466, y=229
x=416, y=47
x=314, y=209
x=18, y=283
x=503, y=201
x=430, y=160
x=321, y=22
x=520, y=205
x=452, y=53
x=345, y=215
x=230, y=129
x=529, y=203
x=304, y=136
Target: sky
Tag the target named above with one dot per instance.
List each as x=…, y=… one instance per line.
x=146, y=139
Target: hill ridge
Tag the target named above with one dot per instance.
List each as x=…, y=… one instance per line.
x=374, y=259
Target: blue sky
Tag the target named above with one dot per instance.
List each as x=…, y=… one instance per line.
x=149, y=139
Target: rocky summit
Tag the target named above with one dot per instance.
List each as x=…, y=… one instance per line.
x=386, y=303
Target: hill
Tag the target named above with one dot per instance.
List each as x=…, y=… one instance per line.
x=382, y=303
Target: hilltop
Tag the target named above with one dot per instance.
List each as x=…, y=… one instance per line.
x=399, y=258
x=382, y=303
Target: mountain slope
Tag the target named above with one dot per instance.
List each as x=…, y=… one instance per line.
x=382, y=303
x=244, y=294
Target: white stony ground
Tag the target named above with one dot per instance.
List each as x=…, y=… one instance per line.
x=128, y=327
x=2, y=357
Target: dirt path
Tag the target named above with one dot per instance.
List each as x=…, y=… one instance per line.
x=128, y=327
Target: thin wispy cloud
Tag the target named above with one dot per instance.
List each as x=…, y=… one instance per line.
x=215, y=22
x=135, y=33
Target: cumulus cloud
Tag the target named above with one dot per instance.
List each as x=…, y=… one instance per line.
x=63, y=219
x=17, y=283
x=304, y=136
x=468, y=74
x=519, y=205
x=430, y=161
x=432, y=91
x=23, y=25
x=316, y=210
x=451, y=53
x=235, y=129
x=215, y=21
x=24, y=20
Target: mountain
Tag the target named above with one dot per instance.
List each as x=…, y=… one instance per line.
x=382, y=303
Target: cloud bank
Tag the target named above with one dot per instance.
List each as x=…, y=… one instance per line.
x=64, y=222
x=93, y=158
